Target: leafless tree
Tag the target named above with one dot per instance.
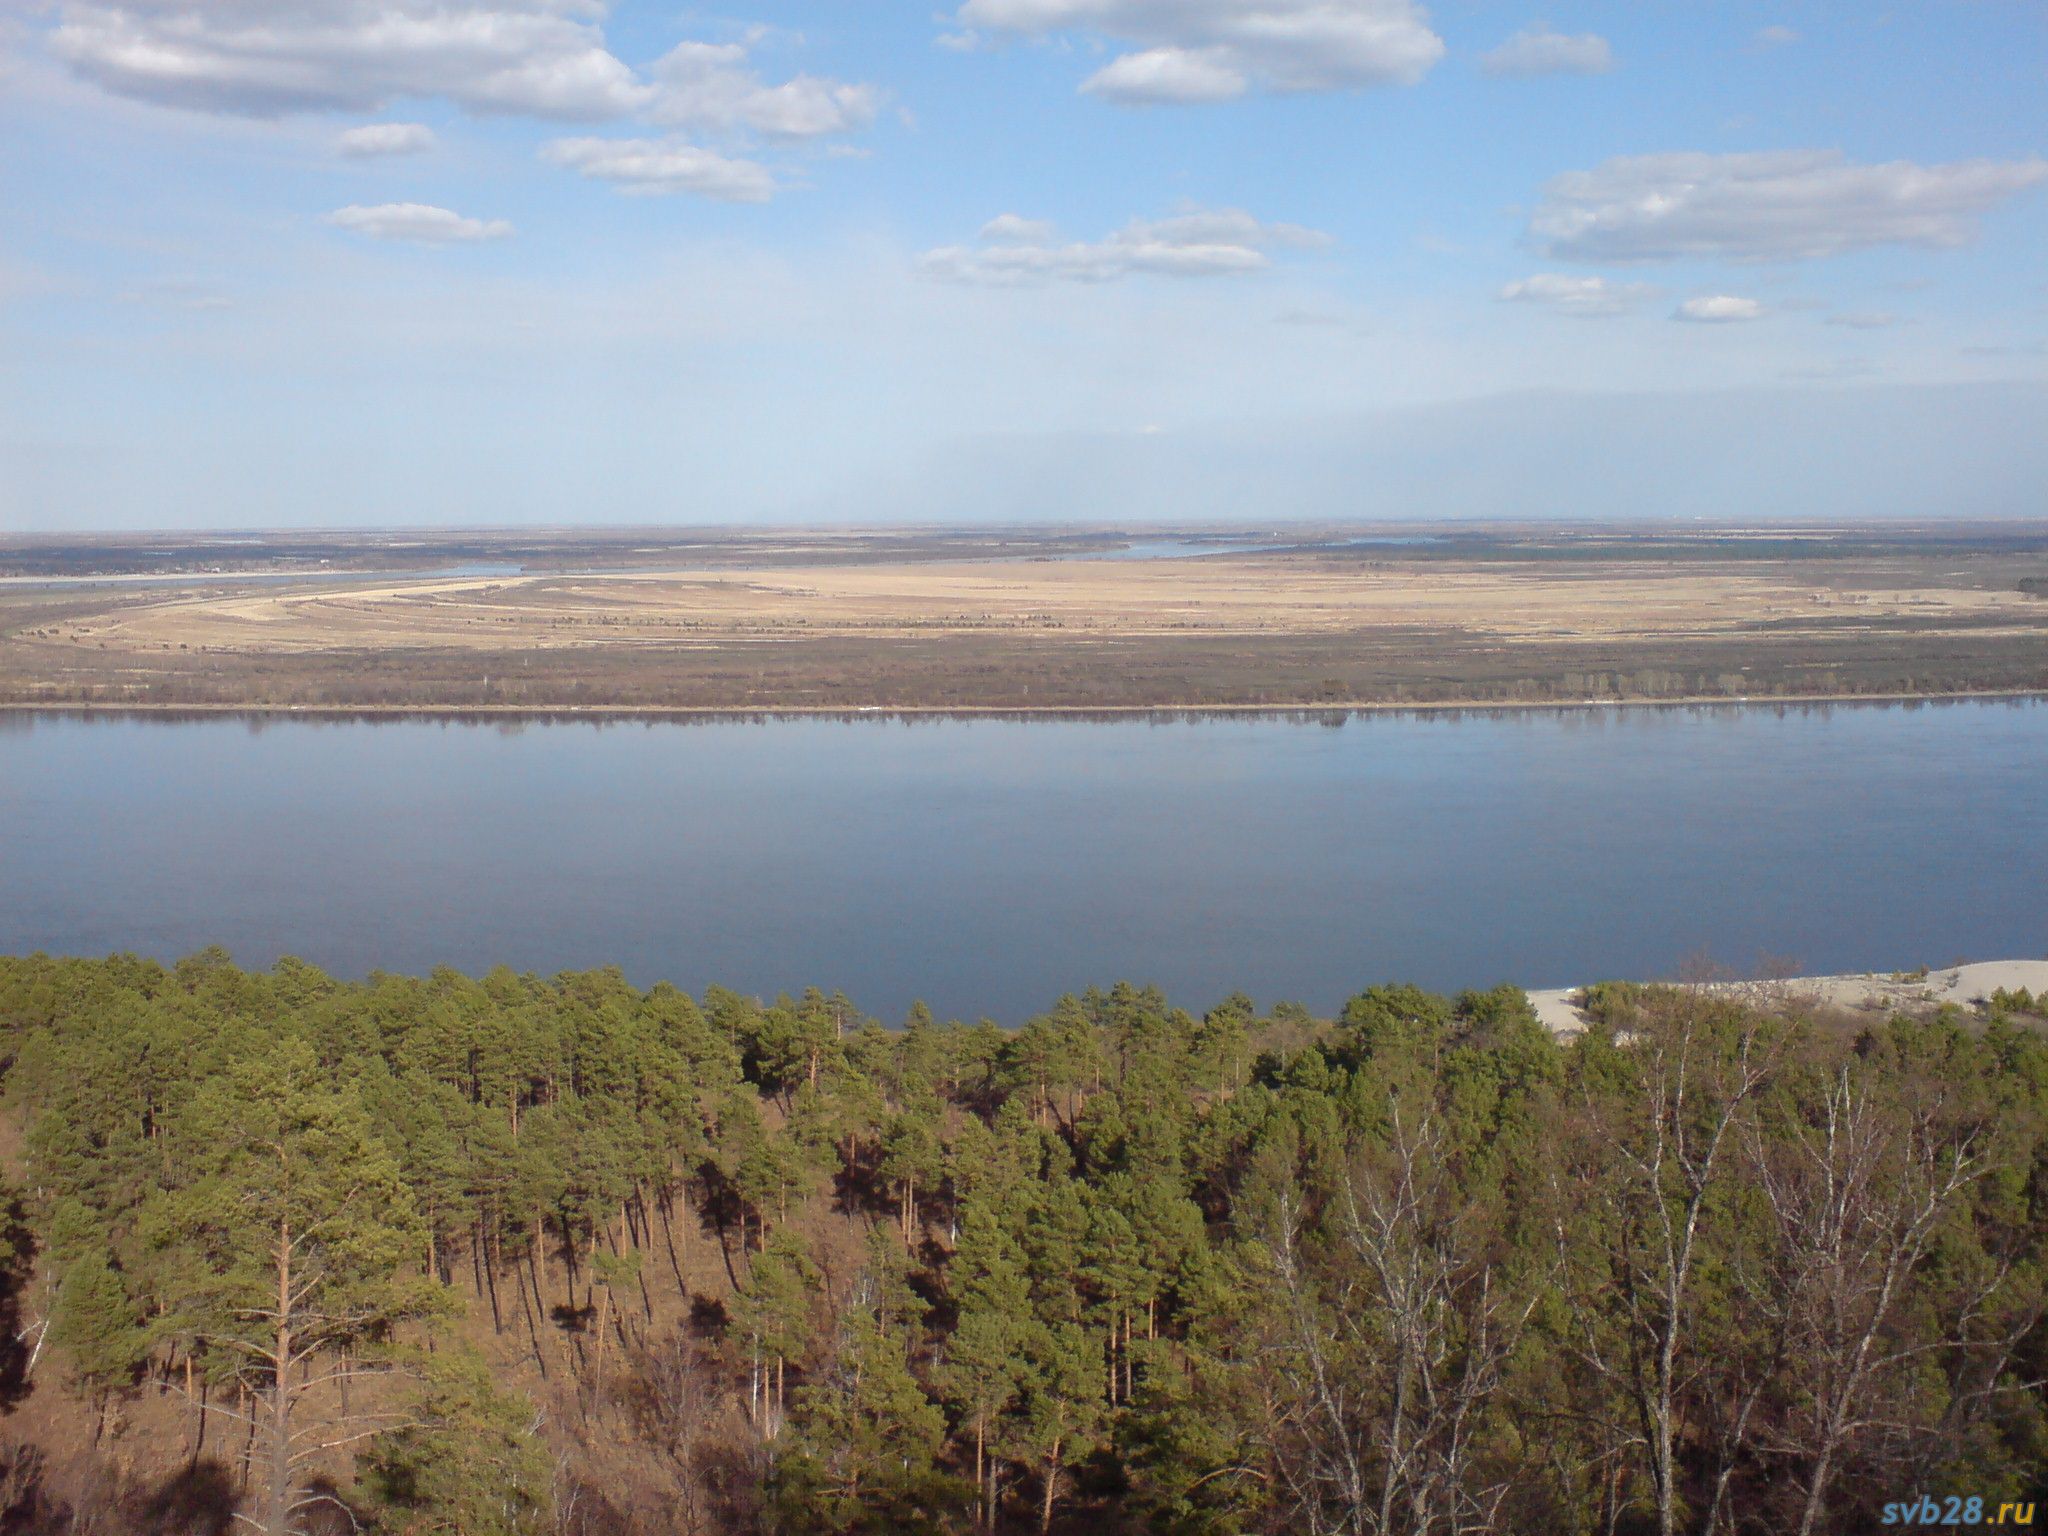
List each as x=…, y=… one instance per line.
x=680, y=1408
x=1398, y=1327
x=1860, y=1179
x=1655, y=1153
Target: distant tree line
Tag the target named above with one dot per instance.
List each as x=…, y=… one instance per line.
x=524, y=1255
x=207, y=680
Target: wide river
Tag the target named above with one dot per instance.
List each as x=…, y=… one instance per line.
x=987, y=865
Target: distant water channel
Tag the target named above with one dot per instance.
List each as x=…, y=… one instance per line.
x=471, y=568
x=1185, y=549
x=986, y=865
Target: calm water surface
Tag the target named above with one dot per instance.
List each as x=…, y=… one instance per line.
x=987, y=865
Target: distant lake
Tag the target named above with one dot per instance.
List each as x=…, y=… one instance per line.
x=986, y=865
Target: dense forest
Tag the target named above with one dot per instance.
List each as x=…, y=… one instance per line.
x=523, y=1255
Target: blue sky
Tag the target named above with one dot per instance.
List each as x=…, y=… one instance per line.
x=325, y=262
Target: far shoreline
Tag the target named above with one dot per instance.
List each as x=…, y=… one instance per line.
x=852, y=712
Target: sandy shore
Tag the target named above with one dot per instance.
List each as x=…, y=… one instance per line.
x=1872, y=992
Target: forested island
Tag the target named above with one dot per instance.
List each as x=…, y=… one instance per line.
x=524, y=1255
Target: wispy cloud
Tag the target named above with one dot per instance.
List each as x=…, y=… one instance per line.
x=377, y=140
x=421, y=223
x=545, y=59
x=711, y=85
x=658, y=167
x=266, y=57
x=1540, y=51
x=1579, y=296
x=1189, y=51
x=1198, y=242
x=1719, y=309
x=1774, y=206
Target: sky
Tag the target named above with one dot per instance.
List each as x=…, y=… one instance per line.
x=424, y=262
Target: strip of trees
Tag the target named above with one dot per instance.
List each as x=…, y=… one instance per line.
x=424, y=1254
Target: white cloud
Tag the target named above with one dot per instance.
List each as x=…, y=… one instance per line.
x=1774, y=37
x=1865, y=320
x=419, y=222
x=1582, y=297
x=373, y=140
x=1200, y=226
x=654, y=167
x=1540, y=51
x=541, y=58
x=1211, y=50
x=1169, y=76
x=1012, y=229
x=1779, y=205
x=1718, y=309
x=709, y=85
x=536, y=58
x=1198, y=242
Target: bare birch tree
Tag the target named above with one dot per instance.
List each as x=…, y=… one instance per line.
x=1662, y=1109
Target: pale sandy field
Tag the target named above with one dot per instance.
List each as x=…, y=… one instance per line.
x=1226, y=596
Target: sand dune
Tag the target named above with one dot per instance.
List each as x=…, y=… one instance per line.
x=1872, y=992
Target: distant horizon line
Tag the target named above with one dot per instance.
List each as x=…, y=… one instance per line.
x=1788, y=523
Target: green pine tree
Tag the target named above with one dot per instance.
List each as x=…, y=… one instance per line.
x=863, y=1446
x=471, y=1462
x=284, y=1251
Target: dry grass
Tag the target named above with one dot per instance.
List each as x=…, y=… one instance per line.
x=1224, y=596
x=875, y=625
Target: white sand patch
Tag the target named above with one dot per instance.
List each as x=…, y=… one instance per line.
x=1873, y=992
x=1556, y=1011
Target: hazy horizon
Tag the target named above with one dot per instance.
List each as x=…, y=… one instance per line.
x=1878, y=453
